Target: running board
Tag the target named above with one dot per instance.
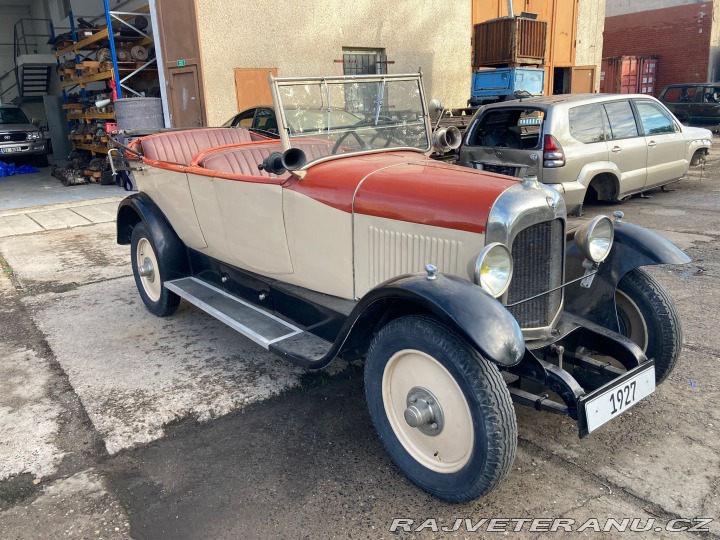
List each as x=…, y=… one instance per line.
x=252, y=322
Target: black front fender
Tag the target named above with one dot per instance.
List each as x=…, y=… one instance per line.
x=171, y=251
x=462, y=306
x=633, y=247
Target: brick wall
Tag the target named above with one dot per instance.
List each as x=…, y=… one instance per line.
x=679, y=36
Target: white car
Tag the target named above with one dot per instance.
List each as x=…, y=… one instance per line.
x=589, y=147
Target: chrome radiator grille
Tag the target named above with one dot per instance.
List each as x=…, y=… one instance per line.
x=538, y=254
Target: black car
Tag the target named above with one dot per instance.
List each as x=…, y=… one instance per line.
x=696, y=104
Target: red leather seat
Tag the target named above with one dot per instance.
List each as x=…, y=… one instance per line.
x=182, y=146
x=245, y=159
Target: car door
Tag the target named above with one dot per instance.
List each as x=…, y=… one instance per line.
x=665, y=143
x=679, y=99
x=706, y=109
x=627, y=148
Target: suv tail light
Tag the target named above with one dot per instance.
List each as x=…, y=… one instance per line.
x=553, y=155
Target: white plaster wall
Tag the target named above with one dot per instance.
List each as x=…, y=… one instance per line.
x=304, y=37
x=589, y=37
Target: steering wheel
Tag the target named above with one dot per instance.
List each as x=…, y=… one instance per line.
x=344, y=136
x=388, y=136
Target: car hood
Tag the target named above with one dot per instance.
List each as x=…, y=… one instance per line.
x=405, y=186
x=432, y=193
x=10, y=128
x=692, y=133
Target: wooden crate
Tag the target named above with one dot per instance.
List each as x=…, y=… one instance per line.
x=509, y=42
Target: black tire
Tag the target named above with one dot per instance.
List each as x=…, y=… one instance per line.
x=490, y=451
x=156, y=297
x=661, y=337
x=41, y=160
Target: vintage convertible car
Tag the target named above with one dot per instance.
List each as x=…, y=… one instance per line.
x=462, y=289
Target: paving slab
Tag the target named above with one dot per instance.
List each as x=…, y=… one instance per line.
x=135, y=372
x=17, y=225
x=96, y=213
x=76, y=507
x=64, y=218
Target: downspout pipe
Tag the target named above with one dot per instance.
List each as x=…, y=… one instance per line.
x=511, y=11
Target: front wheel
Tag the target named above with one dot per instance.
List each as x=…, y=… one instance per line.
x=648, y=316
x=149, y=274
x=443, y=412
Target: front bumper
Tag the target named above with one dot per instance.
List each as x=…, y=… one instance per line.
x=23, y=148
x=563, y=366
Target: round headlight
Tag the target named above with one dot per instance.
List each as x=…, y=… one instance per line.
x=493, y=269
x=595, y=238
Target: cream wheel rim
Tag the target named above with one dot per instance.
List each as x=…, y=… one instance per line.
x=449, y=450
x=638, y=331
x=148, y=269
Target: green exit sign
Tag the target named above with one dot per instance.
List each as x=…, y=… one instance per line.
x=181, y=63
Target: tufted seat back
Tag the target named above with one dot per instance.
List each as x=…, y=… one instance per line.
x=181, y=146
x=245, y=159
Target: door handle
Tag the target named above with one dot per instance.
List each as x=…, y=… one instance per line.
x=652, y=143
x=616, y=149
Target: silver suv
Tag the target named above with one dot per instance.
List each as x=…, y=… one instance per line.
x=588, y=146
x=19, y=137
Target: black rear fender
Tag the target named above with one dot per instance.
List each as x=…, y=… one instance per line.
x=171, y=251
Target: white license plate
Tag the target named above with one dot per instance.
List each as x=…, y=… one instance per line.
x=9, y=149
x=618, y=399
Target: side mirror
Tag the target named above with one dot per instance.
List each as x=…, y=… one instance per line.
x=435, y=109
x=35, y=122
x=446, y=139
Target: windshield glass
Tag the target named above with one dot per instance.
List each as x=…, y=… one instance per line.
x=349, y=115
x=12, y=115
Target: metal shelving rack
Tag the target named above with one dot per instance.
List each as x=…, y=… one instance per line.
x=119, y=74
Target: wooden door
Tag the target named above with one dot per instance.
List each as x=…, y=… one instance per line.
x=252, y=88
x=185, y=97
x=582, y=80
x=177, y=24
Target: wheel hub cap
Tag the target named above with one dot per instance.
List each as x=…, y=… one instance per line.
x=423, y=411
x=147, y=270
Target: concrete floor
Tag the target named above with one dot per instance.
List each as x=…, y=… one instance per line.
x=42, y=189
x=117, y=424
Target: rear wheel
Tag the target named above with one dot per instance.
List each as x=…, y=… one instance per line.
x=443, y=412
x=148, y=273
x=648, y=316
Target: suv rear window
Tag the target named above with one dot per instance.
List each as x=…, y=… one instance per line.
x=622, y=119
x=509, y=128
x=586, y=123
x=680, y=94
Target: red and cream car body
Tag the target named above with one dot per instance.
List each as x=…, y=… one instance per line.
x=462, y=289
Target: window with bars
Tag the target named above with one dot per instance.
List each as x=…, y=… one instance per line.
x=363, y=100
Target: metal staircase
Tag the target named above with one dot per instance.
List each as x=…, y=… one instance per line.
x=30, y=79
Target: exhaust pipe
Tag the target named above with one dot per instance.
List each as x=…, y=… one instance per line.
x=446, y=139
